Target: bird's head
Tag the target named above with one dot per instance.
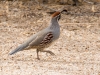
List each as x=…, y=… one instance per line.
x=57, y=14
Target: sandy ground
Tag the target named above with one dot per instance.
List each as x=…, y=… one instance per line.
x=77, y=51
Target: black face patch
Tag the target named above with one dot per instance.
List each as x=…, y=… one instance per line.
x=47, y=39
x=58, y=17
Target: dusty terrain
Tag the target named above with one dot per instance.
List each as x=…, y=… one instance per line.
x=77, y=51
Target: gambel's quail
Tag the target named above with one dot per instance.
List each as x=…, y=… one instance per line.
x=44, y=38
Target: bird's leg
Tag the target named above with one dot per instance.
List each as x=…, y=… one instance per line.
x=38, y=54
x=48, y=52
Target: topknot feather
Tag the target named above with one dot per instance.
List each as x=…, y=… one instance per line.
x=55, y=14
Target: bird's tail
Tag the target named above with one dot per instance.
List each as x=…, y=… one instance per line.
x=19, y=48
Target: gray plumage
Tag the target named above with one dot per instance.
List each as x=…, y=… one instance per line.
x=43, y=38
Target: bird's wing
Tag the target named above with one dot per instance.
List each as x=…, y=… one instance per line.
x=42, y=39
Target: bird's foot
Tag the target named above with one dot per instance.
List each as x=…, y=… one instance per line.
x=51, y=53
x=38, y=58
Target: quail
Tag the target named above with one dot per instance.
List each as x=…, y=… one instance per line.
x=42, y=39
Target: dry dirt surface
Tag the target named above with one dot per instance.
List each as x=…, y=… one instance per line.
x=77, y=51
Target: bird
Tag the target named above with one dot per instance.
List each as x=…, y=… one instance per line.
x=42, y=39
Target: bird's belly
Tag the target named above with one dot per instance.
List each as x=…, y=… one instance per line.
x=43, y=45
x=56, y=36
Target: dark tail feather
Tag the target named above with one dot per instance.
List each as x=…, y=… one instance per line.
x=21, y=47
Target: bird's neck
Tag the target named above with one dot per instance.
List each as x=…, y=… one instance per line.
x=54, y=22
